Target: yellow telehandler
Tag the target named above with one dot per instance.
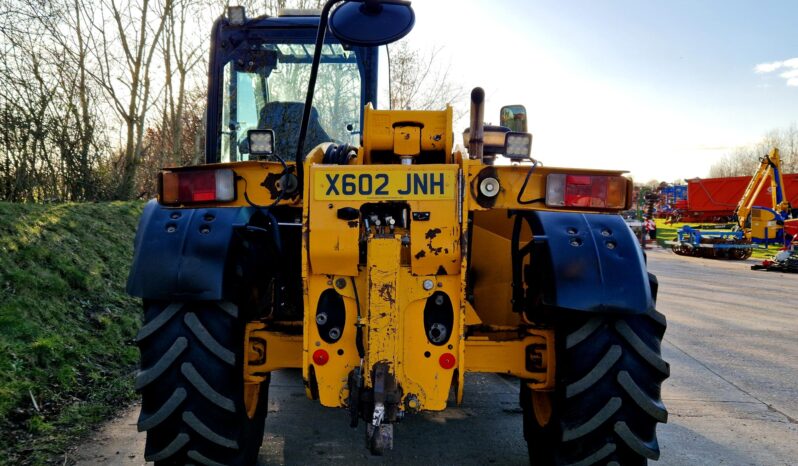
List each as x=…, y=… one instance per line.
x=368, y=249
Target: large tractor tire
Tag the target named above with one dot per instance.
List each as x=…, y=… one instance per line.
x=606, y=404
x=192, y=387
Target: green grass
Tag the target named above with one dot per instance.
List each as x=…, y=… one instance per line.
x=66, y=324
x=666, y=232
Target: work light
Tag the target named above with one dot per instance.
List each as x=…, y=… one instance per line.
x=261, y=141
x=236, y=15
x=517, y=146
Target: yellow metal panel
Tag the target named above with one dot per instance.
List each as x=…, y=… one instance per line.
x=435, y=128
x=333, y=242
x=332, y=376
x=250, y=179
x=511, y=182
x=510, y=357
x=434, y=242
x=407, y=140
x=383, y=310
x=269, y=351
x=422, y=374
x=436, y=246
x=764, y=221
x=492, y=271
x=471, y=316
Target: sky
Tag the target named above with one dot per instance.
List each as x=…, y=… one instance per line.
x=659, y=88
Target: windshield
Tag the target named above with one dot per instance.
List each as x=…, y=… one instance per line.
x=266, y=87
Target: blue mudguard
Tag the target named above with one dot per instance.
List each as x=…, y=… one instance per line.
x=181, y=253
x=596, y=263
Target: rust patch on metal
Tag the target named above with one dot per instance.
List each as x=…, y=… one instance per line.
x=433, y=249
x=432, y=233
x=386, y=293
x=420, y=254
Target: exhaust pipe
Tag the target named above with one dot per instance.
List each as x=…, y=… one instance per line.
x=477, y=131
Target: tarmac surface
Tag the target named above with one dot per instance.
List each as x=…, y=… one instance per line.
x=732, y=343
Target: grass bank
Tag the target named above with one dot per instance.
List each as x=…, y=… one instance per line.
x=67, y=354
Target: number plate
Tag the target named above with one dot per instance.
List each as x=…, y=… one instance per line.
x=378, y=184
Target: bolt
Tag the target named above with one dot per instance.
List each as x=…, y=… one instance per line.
x=335, y=333
x=439, y=300
x=428, y=284
x=611, y=245
x=321, y=318
x=340, y=283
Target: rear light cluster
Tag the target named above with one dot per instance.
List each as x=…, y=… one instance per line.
x=189, y=187
x=586, y=191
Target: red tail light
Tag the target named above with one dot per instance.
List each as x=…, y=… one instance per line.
x=586, y=191
x=187, y=187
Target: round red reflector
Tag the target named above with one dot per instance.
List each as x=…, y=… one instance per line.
x=320, y=357
x=447, y=360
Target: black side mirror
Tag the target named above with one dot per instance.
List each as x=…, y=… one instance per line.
x=370, y=23
x=513, y=117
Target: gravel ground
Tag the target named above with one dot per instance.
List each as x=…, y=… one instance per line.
x=732, y=394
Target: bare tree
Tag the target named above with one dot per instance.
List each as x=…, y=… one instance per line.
x=744, y=160
x=68, y=67
x=51, y=146
x=125, y=56
x=187, y=55
x=421, y=80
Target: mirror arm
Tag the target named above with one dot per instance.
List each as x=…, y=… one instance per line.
x=314, y=70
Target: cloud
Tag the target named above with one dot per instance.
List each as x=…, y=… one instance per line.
x=789, y=67
x=776, y=65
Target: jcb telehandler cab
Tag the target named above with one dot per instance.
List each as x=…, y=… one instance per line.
x=364, y=248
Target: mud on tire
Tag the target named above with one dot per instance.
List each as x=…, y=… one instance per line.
x=191, y=384
x=607, y=402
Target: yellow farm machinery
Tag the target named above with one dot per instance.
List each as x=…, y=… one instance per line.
x=367, y=249
x=753, y=224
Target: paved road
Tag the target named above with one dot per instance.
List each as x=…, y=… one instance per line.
x=732, y=342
